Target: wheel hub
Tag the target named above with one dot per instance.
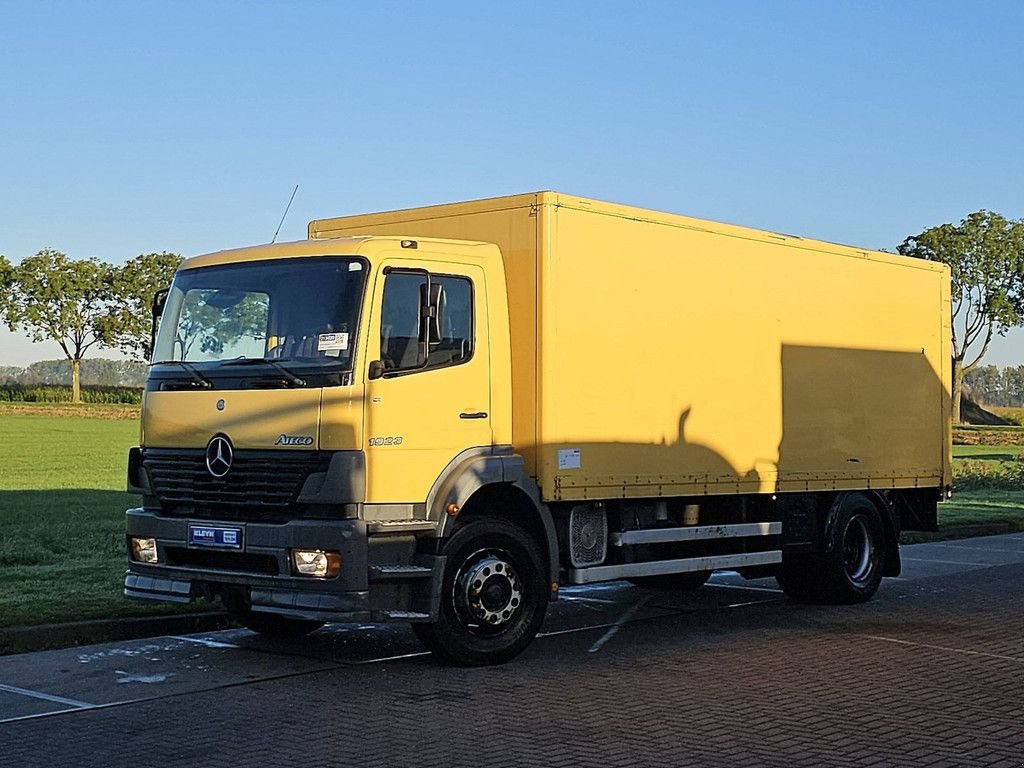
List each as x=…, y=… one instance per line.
x=857, y=550
x=487, y=590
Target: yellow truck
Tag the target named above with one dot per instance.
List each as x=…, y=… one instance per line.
x=442, y=415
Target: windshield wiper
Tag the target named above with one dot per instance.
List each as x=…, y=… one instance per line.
x=201, y=381
x=296, y=380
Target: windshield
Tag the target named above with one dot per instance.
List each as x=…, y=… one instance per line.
x=295, y=311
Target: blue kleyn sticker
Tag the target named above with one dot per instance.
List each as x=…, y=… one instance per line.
x=214, y=536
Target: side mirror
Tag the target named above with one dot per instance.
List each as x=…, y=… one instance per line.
x=376, y=370
x=159, y=300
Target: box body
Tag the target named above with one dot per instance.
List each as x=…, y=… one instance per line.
x=659, y=355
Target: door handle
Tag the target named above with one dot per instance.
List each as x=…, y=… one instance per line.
x=473, y=415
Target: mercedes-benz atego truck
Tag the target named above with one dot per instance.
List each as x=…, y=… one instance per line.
x=444, y=415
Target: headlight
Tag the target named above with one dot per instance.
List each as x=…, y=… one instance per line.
x=315, y=562
x=143, y=550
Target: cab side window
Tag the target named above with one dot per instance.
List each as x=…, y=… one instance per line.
x=407, y=340
x=400, y=346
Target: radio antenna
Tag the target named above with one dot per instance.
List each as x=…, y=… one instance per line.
x=283, y=215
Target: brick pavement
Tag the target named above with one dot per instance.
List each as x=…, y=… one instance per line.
x=929, y=674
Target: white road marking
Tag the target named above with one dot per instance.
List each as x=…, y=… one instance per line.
x=395, y=658
x=965, y=651
x=574, y=630
x=618, y=625
x=202, y=641
x=588, y=599
x=740, y=586
x=126, y=677
x=753, y=602
x=600, y=587
x=944, y=562
x=46, y=697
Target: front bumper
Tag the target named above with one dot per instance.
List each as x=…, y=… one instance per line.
x=175, y=578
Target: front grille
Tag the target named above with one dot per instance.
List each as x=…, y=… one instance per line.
x=261, y=485
x=222, y=561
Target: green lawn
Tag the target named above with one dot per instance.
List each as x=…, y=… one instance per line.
x=987, y=452
x=983, y=506
x=62, y=474
x=62, y=553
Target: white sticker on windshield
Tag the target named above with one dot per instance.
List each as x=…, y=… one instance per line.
x=569, y=458
x=331, y=341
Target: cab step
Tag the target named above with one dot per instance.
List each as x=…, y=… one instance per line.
x=398, y=572
x=400, y=526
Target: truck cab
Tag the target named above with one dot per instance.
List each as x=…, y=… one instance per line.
x=313, y=416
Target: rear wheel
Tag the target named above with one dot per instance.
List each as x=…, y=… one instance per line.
x=850, y=568
x=494, y=595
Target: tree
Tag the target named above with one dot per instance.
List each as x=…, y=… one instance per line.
x=6, y=278
x=1015, y=386
x=64, y=300
x=984, y=385
x=985, y=254
x=6, y=285
x=128, y=324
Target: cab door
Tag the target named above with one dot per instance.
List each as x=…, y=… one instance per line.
x=428, y=390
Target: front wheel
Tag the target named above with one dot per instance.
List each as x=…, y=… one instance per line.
x=493, y=598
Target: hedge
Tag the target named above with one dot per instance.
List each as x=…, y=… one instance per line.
x=19, y=393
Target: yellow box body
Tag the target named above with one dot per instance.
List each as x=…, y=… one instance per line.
x=659, y=355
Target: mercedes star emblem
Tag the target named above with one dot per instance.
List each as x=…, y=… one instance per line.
x=219, y=455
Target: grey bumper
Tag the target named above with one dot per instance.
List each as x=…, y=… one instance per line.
x=343, y=598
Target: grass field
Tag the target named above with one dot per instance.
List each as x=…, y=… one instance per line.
x=62, y=553
x=62, y=474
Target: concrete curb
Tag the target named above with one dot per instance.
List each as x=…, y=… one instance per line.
x=953, y=532
x=51, y=636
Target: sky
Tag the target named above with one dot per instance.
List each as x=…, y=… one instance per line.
x=134, y=127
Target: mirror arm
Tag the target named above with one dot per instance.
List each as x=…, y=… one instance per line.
x=159, y=300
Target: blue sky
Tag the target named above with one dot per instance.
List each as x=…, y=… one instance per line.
x=142, y=126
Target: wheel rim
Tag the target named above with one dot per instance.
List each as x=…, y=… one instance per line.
x=487, y=591
x=858, y=551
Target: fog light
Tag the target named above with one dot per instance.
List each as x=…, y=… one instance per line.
x=315, y=562
x=143, y=550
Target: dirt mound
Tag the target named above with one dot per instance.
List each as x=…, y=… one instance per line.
x=972, y=413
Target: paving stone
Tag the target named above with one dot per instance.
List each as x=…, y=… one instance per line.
x=930, y=673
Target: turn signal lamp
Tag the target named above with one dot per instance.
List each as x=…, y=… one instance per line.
x=315, y=563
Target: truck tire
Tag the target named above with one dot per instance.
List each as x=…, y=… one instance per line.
x=850, y=570
x=685, y=582
x=800, y=578
x=493, y=597
x=275, y=626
